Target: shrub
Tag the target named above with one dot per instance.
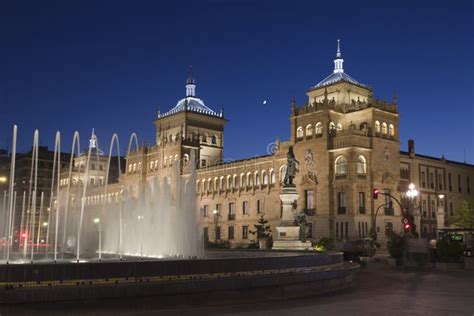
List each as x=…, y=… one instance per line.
x=395, y=245
x=449, y=251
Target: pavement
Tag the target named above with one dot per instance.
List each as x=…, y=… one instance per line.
x=380, y=290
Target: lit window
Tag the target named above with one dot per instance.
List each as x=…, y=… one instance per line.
x=257, y=178
x=332, y=125
x=341, y=165
x=265, y=178
x=272, y=176
x=391, y=130
x=318, y=129
x=339, y=126
x=361, y=165
x=377, y=126
x=384, y=128
x=309, y=130
x=299, y=132
x=282, y=173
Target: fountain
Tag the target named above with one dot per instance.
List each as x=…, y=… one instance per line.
x=153, y=217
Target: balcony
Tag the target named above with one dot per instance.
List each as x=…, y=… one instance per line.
x=362, y=209
x=310, y=212
x=231, y=217
x=341, y=210
x=389, y=211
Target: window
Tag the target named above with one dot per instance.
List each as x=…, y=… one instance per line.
x=377, y=126
x=245, y=232
x=218, y=233
x=221, y=183
x=272, y=176
x=130, y=168
x=361, y=202
x=424, y=207
x=347, y=229
x=332, y=126
x=299, y=132
x=459, y=183
x=341, y=165
x=214, y=140
x=309, y=201
x=245, y=207
x=260, y=206
x=152, y=165
x=341, y=199
x=309, y=130
x=388, y=203
x=391, y=130
x=204, y=139
x=282, y=173
x=449, y=183
x=218, y=208
x=433, y=209
x=318, y=130
x=205, y=233
x=440, y=181
x=384, y=128
x=257, y=178
x=231, y=211
x=101, y=168
x=339, y=127
x=404, y=172
x=265, y=178
x=423, y=179
x=432, y=184
x=93, y=167
x=361, y=165
x=451, y=209
x=230, y=232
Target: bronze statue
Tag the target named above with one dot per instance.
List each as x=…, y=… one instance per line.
x=291, y=167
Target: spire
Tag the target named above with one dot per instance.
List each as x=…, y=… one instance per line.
x=93, y=140
x=190, y=85
x=338, y=61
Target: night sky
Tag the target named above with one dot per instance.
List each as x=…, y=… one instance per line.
x=110, y=65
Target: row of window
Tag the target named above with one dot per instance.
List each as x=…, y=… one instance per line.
x=341, y=165
x=203, y=138
x=232, y=209
x=431, y=183
x=384, y=128
x=102, y=198
x=92, y=181
x=363, y=229
x=249, y=179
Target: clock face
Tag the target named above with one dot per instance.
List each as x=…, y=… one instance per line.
x=386, y=154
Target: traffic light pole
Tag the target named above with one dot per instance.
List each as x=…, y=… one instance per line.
x=374, y=222
x=410, y=219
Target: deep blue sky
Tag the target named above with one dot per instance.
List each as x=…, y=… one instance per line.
x=74, y=65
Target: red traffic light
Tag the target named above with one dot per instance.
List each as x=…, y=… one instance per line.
x=375, y=194
x=407, y=226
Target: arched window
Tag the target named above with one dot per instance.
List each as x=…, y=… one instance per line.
x=309, y=130
x=332, y=125
x=384, y=128
x=134, y=167
x=93, y=167
x=377, y=126
x=341, y=165
x=130, y=166
x=391, y=130
x=265, y=177
x=249, y=181
x=229, y=183
x=216, y=184
x=242, y=180
x=282, y=173
x=165, y=162
x=272, y=176
x=339, y=126
x=318, y=130
x=198, y=186
x=299, y=132
x=257, y=178
x=221, y=183
x=234, y=181
x=214, y=139
x=361, y=165
x=152, y=165
x=186, y=159
x=204, y=139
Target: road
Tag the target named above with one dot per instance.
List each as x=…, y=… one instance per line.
x=381, y=290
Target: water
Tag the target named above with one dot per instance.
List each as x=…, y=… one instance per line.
x=152, y=217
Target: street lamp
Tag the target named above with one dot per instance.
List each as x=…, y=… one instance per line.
x=216, y=220
x=3, y=179
x=97, y=221
x=412, y=193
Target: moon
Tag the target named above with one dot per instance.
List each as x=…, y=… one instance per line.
x=264, y=102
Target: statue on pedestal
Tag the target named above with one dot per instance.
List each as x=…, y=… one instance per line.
x=291, y=167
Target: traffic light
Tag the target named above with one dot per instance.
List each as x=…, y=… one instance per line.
x=407, y=226
x=375, y=194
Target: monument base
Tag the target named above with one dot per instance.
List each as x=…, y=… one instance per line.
x=288, y=238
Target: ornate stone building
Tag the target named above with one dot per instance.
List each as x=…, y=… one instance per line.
x=347, y=143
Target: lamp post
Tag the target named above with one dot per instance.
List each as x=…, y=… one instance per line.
x=412, y=193
x=216, y=220
x=97, y=221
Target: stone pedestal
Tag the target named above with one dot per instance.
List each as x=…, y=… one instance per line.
x=288, y=234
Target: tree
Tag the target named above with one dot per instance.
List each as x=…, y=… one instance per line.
x=262, y=230
x=465, y=216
